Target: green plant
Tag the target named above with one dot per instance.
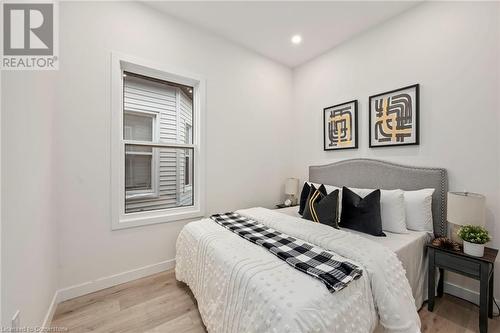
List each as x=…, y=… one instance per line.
x=474, y=234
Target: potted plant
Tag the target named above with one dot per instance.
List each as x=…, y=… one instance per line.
x=474, y=238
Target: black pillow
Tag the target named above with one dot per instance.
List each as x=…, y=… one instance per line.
x=305, y=194
x=361, y=214
x=322, y=208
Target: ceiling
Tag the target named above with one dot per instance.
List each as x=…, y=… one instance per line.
x=267, y=27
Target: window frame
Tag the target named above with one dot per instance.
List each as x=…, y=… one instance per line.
x=121, y=63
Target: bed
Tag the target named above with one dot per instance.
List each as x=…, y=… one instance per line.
x=241, y=287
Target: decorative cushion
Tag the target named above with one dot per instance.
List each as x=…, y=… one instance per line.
x=418, y=206
x=392, y=209
x=322, y=208
x=361, y=214
x=305, y=194
x=330, y=189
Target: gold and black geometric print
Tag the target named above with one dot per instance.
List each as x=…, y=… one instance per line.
x=393, y=118
x=340, y=127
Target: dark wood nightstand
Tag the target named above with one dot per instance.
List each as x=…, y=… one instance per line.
x=479, y=268
x=279, y=206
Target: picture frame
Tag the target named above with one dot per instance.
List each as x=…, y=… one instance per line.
x=394, y=118
x=340, y=126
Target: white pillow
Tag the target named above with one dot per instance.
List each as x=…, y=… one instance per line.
x=418, y=206
x=392, y=208
x=329, y=188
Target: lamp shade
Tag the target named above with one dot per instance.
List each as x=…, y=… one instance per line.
x=466, y=208
x=292, y=186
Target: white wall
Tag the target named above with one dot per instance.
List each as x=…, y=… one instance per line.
x=29, y=230
x=248, y=113
x=452, y=50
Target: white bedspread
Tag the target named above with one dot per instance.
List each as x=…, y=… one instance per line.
x=410, y=249
x=240, y=287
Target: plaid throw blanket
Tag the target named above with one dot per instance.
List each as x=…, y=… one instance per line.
x=305, y=257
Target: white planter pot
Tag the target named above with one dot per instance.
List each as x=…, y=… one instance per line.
x=472, y=249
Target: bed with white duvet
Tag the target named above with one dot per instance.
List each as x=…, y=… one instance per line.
x=242, y=287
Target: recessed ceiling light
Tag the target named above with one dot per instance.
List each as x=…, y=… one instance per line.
x=296, y=39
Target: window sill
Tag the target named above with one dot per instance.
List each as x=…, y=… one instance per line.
x=133, y=220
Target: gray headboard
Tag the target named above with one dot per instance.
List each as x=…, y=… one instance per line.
x=367, y=173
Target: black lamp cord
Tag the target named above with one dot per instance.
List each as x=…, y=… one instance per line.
x=498, y=307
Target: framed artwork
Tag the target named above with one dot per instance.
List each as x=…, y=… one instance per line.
x=340, y=126
x=394, y=118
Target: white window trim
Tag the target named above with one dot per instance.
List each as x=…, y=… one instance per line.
x=120, y=220
x=155, y=160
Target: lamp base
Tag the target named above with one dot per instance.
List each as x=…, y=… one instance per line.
x=292, y=198
x=453, y=234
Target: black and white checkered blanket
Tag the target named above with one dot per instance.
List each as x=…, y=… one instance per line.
x=305, y=257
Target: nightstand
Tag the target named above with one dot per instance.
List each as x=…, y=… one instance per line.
x=279, y=206
x=479, y=268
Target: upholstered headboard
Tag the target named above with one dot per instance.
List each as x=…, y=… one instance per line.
x=367, y=173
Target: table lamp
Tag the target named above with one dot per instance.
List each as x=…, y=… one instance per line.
x=291, y=190
x=465, y=208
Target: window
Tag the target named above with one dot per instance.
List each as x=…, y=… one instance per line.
x=156, y=124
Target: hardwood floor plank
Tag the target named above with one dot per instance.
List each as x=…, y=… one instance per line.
x=90, y=312
x=160, y=304
x=187, y=323
x=116, y=291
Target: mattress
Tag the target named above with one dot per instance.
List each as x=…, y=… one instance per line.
x=410, y=249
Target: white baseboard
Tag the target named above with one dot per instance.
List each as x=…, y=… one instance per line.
x=463, y=293
x=112, y=280
x=88, y=287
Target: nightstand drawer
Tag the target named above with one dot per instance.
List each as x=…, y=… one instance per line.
x=457, y=263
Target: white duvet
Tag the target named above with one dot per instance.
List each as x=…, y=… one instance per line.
x=241, y=287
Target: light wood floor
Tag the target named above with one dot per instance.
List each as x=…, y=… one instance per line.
x=160, y=304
